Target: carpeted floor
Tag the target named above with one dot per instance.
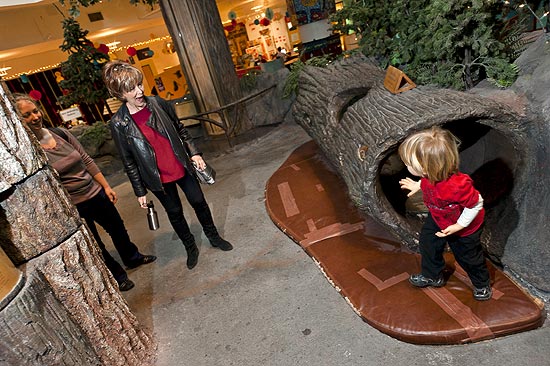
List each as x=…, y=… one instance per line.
x=369, y=268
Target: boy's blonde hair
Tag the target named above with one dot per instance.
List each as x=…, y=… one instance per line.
x=121, y=77
x=432, y=152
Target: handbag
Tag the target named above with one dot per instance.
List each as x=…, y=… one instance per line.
x=205, y=176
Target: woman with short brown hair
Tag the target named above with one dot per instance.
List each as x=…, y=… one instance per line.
x=158, y=153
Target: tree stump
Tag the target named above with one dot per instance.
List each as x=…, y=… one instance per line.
x=358, y=125
x=65, y=309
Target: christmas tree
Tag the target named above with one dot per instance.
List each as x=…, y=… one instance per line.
x=82, y=71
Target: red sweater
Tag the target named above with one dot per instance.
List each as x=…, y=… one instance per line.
x=170, y=168
x=446, y=199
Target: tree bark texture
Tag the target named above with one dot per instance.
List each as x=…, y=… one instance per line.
x=36, y=215
x=358, y=124
x=68, y=311
x=18, y=153
x=52, y=337
x=77, y=275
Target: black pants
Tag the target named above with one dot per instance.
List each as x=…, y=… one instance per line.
x=170, y=200
x=467, y=250
x=99, y=209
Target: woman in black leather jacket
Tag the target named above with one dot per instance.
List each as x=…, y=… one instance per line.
x=158, y=152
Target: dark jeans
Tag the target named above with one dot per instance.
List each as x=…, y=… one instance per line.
x=100, y=210
x=467, y=250
x=170, y=200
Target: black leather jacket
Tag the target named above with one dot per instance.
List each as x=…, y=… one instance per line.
x=137, y=154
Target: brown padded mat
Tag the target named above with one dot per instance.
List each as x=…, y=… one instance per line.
x=309, y=202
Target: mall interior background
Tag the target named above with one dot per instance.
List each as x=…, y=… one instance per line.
x=255, y=29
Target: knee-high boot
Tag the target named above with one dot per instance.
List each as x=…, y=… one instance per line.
x=205, y=218
x=192, y=251
x=182, y=230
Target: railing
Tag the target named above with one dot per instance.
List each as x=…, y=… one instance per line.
x=228, y=128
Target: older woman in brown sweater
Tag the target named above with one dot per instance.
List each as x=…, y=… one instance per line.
x=88, y=189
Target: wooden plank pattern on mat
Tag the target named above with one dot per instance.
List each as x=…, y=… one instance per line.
x=370, y=268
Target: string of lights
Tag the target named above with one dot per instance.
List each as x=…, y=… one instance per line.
x=56, y=65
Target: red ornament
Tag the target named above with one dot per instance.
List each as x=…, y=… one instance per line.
x=35, y=94
x=234, y=22
x=103, y=48
x=265, y=22
x=131, y=51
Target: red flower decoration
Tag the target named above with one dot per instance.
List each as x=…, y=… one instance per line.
x=103, y=48
x=35, y=94
x=131, y=51
x=265, y=22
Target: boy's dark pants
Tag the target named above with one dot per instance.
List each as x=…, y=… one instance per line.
x=467, y=250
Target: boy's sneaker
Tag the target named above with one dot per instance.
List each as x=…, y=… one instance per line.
x=483, y=294
x=419, y=280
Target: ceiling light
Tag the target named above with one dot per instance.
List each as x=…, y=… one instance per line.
x=112, y=44
x=18, y=2
x=8, y=54
x=107, y=33
x=4, y=70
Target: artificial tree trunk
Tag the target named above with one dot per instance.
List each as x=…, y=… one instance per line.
x=358, y=124
x=196, y=28
x=65, y=309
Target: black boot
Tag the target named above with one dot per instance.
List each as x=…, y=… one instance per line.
x=205, y=218
x=215, y=239
x=192, y=252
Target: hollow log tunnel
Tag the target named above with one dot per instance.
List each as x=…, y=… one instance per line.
x=358, y=125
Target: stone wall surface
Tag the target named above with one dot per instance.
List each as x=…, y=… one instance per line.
x=270, y=107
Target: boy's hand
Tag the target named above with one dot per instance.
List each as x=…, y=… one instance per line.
x=450, y=230
x=412, y=185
